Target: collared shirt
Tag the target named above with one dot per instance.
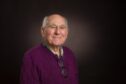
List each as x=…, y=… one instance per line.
x=60, y=53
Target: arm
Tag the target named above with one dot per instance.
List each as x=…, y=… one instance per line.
x=29, y=74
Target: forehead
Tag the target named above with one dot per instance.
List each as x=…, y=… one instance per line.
x=56, y=19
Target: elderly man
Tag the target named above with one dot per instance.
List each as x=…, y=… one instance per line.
x=50, y=62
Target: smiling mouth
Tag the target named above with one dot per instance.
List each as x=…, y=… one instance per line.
x=57, y=37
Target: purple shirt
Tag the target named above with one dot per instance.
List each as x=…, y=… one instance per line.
x=40, y=66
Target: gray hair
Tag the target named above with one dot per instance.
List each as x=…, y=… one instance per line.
x=45, y=21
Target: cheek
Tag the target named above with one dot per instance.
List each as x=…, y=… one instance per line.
x=49, y=33
x=65, y=33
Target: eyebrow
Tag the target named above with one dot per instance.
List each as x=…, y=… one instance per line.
x=59, y=25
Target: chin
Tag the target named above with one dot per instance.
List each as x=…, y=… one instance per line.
x=57, y=44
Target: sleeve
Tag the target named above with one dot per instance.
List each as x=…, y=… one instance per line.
x=29, y=74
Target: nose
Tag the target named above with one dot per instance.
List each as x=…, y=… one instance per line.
x=57, y=31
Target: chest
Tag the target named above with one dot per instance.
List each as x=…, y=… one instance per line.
x=50, y=71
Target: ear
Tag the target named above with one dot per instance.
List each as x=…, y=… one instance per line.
x=42, y=32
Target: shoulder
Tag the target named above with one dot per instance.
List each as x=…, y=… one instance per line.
x=32, y=50
x=35, y=51
x=67, y=50
x=34, y=54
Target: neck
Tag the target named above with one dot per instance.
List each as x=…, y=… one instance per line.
x=55, y=49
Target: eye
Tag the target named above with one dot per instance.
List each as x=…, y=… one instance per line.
x=52, y=26
x=62, y=27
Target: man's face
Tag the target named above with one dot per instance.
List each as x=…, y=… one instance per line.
x=56, y=31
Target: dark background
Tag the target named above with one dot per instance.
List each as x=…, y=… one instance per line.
x=94, y=36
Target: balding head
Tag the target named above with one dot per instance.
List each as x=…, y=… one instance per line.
x=47, y=19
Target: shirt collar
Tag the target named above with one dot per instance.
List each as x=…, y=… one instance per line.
x=61, y=51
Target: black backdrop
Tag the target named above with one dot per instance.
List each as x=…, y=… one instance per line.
x=98, y=59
